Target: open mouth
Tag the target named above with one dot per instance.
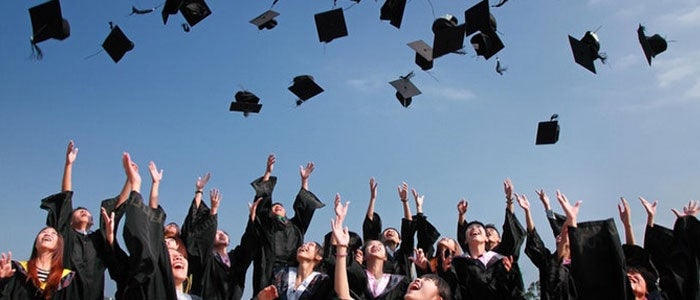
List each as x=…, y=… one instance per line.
x=178, y=266
x=414, y=286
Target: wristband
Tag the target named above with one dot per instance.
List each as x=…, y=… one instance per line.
x=341, y=255
x=198, y=192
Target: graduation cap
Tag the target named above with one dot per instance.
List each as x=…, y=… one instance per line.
x=47, y=23
x=424, y=54
x=304, y=87
x=330, y=25
x=405, y=89
x=486, y=43
x=194, y=11
x=586, y=50
x=266, y=20
x=171, y=7
x=548, y=131
x=246, y=102
x=652, y=45
x=117, y=44
x=449, y=37
x=479, y=18
x=392, y=11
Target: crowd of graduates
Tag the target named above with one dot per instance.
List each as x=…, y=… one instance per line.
x=193, y=261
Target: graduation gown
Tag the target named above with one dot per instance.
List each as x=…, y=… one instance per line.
x=278, y=238
x=18, y=287
x=146, y=272
x=82, y=253
x=320, y=287
x=484, y=282
x=212, y=278
x=512, y=238
x=395, y=289
x=398, y=262
x=555, y=280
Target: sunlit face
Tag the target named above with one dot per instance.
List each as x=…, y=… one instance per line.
x=46, y=240
x=391, y=235
x=492, y=238
x=278, y=210
x=179, y=266
x=221, y=238
x=375, y=250
x=422, y=289
x=81, y=217
x=562, y=241
x=171, y=243
x=308, y=251
x=637, y=283
x=476, y=233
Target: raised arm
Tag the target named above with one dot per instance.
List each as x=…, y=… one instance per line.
x=71, y=154
x=270, y=165
x=403, y=196
x=6, y=270
x=305, y=172
x=462, y=207
x=691, y=209
x=109, y=226
x=199, y=188
x=342, y=238
x=525, y=205
x=156, y=177
x=508, y=190
x=570, y=210
x=132, y=173
x=651, y=210
x=372, y=198
x=625, y=217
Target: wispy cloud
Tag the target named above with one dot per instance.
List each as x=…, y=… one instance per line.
x=454, y=94
x=366, y=85
x=627, y=61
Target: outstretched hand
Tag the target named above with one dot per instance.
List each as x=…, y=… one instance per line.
x=253, y=207
x=71, y=152
x=215, y=200
x=341, y=210
x=624, y=209
x=156, y=176
x=418, y=198
x=270, y=163
x=403, y=192
x=372, y=188
x=508, y=188
x=109, y=225
x=340, y=233
x=462, y=206
x=649, y=207
x=507, y=263
x=6, y=269
x=419, y=259
x=543, y=198
x=305, y=172
x=523, y=202
x=571, y=211
x=691, y=209
x=268, y=293
x=202, y=181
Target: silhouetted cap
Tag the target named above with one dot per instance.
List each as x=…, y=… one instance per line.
x=548, y=131
x=117, y=44
x=194, y=11
x=449, y=37
x=586, y=50
x=330, y=25
x=304, y=87
x=486, y=43
x=479, y=18
x=424, y=54
x=652, y=45
x=47, y=23
x=246, y=102
x=171, y=7
x=405, y=89
x=266, y=20
x=392, y=11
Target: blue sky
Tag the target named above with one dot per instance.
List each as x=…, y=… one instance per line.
x=627, y=131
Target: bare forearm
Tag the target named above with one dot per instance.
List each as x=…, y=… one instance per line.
x=67, y=182
x=342, y=288
x=406, y=211
x=528, y=220
x=370, y=209
x=153, y=199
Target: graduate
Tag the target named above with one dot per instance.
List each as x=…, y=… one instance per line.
x=84, y=250
x=43, y=276
x=278, y=236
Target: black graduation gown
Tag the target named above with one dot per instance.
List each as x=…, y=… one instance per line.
x=213, y=279
x=512, y=238
x=395, y=289
x=82, y=253
x=426, y=234
x=18, y=287
x=398, y=263
x=597, y=261
x=319, y=288
x=356, y=284
x=278, y=239
x=148, y=274
x=484, y=282
x=555, y=280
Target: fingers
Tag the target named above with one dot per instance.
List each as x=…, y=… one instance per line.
x=678, y=214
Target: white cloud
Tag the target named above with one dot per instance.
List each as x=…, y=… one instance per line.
x=627, y=61
x=675, y=74
x=694, y=91
x=448, y=93
x=365, y=85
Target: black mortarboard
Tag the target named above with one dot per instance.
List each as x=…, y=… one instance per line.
x=479, y=18
x=392, y=11
x=330, y=25
x=652, y=45
x=586, y=50
x=449, y=37
x=304, y=87
x=194, y=11
x=171, y=7
x=117, y=44
x=48, y=23
x=548, y=131
x=424, y=54
x=246, y=102
x=266, y=20
x=405, y=89
x=486, y=43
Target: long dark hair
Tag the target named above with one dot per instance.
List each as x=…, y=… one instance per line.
x=56, y=271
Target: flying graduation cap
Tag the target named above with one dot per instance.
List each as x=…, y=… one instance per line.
x=171, y=7
x=117, y=44
x=194, y=11
x=652, y=45
x=47, y=23
x=548, y=131
x=304, y=88
x=479, y=20
x=266, y=20
x=330, y=25
x=587, y=50
x=246, y=102
x=449, y=36
x=392, y=11
x=405, y=89
x=424, y=54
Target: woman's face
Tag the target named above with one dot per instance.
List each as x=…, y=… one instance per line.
x=46, y=240
x=637, y=283
x=422, y=289
x=375, y=249
x=179, y=265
